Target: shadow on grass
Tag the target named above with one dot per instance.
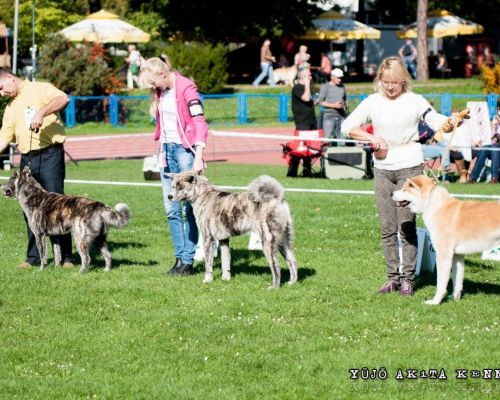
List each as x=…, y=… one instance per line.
x=470, y=287
x=97, y=261
x=243, y=262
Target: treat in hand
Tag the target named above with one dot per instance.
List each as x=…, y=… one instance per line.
x=455, y=120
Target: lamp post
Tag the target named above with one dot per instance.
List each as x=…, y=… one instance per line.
x=33, y=44
x=16, y=30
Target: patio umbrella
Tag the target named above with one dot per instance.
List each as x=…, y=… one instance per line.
x=335, y=26
x=104, y=27
x=441, y=23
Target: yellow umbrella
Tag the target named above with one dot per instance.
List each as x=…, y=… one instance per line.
x=104, y=27
x=441, y=23
x=335, y=26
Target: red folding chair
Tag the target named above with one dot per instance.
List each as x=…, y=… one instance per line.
x=306, y=149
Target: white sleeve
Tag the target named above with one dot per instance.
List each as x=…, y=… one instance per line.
x=360, y=116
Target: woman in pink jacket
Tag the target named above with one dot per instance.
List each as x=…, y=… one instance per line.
x=182, y=131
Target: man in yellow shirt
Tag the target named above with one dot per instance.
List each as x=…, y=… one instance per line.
x=31, y=120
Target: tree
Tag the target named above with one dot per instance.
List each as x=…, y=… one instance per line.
x=77, y=70
x=422, y=65
x=228, y=20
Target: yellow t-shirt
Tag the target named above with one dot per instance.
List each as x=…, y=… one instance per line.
x=15, y=127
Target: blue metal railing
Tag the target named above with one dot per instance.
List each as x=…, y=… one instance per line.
x=111, y=104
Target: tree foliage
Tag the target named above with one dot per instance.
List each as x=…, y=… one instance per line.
x=77, y=70
x=205, y=64
x=228, y=20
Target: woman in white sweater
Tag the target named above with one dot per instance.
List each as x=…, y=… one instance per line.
x=394, y=111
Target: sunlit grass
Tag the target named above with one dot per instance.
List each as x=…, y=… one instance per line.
x=136, y=333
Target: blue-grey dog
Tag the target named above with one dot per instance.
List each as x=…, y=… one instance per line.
x=55, y=214
x=221, y=215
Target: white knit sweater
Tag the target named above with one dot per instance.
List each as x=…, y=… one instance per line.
x=396, y=121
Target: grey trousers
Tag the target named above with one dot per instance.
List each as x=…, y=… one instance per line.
x=394, y=219
x=331, y=128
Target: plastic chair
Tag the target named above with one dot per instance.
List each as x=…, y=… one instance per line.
x=305, y=149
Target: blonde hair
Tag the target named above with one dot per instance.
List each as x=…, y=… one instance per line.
x=396, y=67
x=151, y=69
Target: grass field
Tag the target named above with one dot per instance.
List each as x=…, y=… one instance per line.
x=134, y=333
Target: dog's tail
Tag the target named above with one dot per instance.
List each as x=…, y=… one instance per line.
x=118, y=217
x=265, y=188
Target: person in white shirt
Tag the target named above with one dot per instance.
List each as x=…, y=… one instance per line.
x=394, y=111
x=133, y=61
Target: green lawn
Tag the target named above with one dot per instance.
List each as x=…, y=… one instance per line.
x=136, y=333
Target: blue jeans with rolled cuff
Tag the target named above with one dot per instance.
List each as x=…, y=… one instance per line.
x=180, y=217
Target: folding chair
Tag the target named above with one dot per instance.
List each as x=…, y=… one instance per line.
x=431, y=164
x=306, y=149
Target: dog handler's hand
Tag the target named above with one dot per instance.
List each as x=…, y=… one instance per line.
x=198, y=164
x=37, y=121
x=455, y=120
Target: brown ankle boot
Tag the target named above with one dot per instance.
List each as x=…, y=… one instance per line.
x=461, y=170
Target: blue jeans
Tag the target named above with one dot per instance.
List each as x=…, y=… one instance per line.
x=411, y=66
x=483, y=155
x=180, y=217
x=266, y=70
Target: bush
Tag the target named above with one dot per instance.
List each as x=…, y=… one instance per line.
x=491, y=78
x=204, y=63
x=80, y=70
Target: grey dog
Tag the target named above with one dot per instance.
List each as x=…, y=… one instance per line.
x=55, y=214
x=221, y=215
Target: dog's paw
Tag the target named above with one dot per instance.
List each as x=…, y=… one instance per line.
x=208, y=279
x=226, y=277
x=433, y=302
x=456, y=296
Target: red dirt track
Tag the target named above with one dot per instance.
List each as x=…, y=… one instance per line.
x=226, y=149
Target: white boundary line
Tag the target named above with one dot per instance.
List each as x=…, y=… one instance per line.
x=296, y=190
x=246, y=134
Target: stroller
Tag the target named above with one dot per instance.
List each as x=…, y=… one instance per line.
x=306, y=149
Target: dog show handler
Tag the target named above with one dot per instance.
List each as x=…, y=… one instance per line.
x=394, y=111
x=32, y=121
x=182, y=131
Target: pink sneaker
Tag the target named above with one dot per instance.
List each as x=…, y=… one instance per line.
x=389, y=286
x=406, y=288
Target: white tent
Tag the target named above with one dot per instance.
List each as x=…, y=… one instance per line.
x=104, y=27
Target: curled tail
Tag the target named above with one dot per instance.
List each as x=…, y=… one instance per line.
x=265, y=188
x=118, y=217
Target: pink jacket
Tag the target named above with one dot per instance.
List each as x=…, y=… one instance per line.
x=192, y=129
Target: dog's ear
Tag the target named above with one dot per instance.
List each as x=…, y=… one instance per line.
x=26, y=170
x=191, y=178
x=411, y=183
x=14, y=175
